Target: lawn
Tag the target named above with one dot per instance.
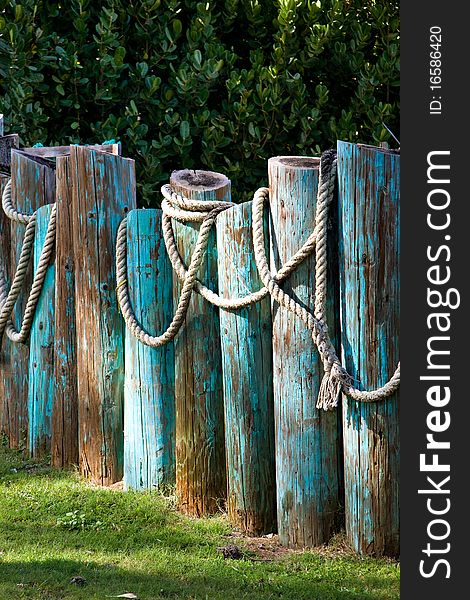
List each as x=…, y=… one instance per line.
x=54, y=527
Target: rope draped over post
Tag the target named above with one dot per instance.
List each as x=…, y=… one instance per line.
x=9, y=297
x=336, y=379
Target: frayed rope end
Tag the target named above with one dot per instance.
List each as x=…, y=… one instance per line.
x=334, y=381
x=330, y=392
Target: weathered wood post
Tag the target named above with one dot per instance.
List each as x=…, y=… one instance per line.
x=246, y=336
x=307, y=439
x=5, y=350
x=368, y=193
x=103, y=191
x=149, y=389
x=33, y=186
x=200, y=445
x=6, y=144
x=41, y=355
x=64, y=451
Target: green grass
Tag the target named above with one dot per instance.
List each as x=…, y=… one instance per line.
x=53, y=526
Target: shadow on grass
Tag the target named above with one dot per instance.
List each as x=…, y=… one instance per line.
x=75, y=516
x=50, y=579
x=53, y=527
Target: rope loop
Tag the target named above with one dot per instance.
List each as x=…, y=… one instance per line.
x=336, y=379
x=9, y=209
x=9, y=297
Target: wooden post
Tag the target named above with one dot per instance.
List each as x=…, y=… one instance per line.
x=307, y=439
x=368, y=192
x=64, y=450
x=41, y=355
x=246, y=336
x=33, y=186
x=103, y=190
x=149, y=389
x=5, y=346
x=58, y=151
x=6, y=144
x=200, y=445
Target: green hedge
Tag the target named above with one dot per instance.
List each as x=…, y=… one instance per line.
x=218, y=85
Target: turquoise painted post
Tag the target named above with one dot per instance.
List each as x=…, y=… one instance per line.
x=41, y=351
x=6, y=144
x=308, y=456
x=149, y=388
x=368, y=193
x=33, y=186
x=201, y=482
x=246, y=338
x=5, y=344
x=103, y=191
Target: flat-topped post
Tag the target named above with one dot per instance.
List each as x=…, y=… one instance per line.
x=41, y=355
x=103, y=191
x=33, y=186
x=368, y=196
x=246, y=336
x=308, y=458
x=200, y=444
x=149, y=389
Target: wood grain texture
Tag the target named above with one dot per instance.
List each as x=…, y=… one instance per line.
x=369, y=261
x=149, y=389
x=200, y=445
x=33, y=186
x=57, y=151
x=64, y=449
x=41, y=355
x=246, y=338
x=103, y=191
x=308, y=447
x=5, y=344
x=6, y=144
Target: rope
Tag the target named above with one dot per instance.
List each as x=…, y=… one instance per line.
x=8, y=297
x=10, y=210
x=336, y=379
x=174, y=206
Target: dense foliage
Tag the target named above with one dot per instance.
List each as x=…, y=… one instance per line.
x=218, y=85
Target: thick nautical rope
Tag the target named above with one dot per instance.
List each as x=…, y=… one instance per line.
x=174, y=206
x=9, y=297
x=186, y=210
x=335, y=379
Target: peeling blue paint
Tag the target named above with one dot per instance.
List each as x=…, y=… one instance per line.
x=368, y=195
x=308, y=458
x=246, y=341
x=149, y=396
x=41, y=357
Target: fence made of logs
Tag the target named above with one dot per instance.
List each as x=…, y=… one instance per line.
x=227, y=406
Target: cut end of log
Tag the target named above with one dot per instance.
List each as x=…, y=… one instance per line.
x=198, y=180
x=7, y=143
x=296, y=162
x=381, y=148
